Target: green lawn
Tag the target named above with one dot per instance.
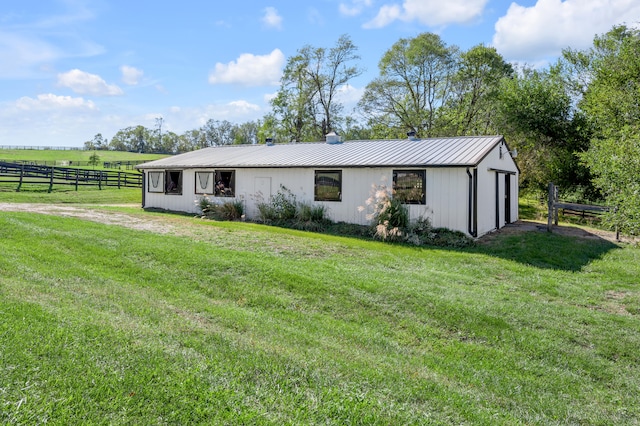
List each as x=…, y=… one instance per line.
x=66, y=194
x=237, y=323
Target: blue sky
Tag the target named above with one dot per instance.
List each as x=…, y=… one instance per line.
x=70, y=69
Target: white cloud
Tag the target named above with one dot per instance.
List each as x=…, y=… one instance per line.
x=429, y=12
x=386, y=15
x=250, y=70
x=239, y=111
x=131, y=75
x=271, y=18
x=243, y=107
x=30, y=45
x=268, y=97
x=355, y=8
x=349, y=95
x=315, y=17
x=50, y=101
x=547, y=27
x=52, y=120
x=236, y=112
x=19, y=53
x=84, y=83
x=48, y=120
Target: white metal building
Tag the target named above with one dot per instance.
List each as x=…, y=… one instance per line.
x=468, y=184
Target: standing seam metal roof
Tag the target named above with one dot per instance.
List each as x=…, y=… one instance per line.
x=434, y=152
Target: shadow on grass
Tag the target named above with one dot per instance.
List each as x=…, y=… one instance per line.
x=568, y=249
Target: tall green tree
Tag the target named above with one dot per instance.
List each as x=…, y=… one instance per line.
x=329, y=71
x=216, y=132
x=97, y=143
x=246, y=133
x=476, y=87
x=294, y=106
x=191, y=140
x=306, y=106
x=608, y=77
x=536, y=112
x=415, y=81
x=132, y=139
x=167, y=144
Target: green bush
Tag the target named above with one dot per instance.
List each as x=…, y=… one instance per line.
x=311, y=212
x=281, y=207
x=229, y=210
x=390, y=222
x=283, y=210
x=390, y=217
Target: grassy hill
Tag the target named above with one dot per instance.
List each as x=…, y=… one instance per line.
x=51, y=155
x=193, y=322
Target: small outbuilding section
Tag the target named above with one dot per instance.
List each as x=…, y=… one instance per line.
x=467, y=184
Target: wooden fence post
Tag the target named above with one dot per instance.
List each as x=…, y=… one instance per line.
x=51, y=180
x=555, y=207
x=21, y=175
x=550, y=206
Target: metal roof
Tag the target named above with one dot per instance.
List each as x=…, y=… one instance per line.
x=463, y=151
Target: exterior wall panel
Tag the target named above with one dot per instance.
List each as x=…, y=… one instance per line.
x=488, y=210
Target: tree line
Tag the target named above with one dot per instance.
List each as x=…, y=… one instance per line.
x=575, y=122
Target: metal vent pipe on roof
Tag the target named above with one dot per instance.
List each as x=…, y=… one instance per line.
x=332, y=138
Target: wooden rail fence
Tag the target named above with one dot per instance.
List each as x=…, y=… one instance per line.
x=555, y=206
x=128, y=164
x=50, y=175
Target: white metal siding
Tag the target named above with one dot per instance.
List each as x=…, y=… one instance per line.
x=447, y=198
x=487, y=189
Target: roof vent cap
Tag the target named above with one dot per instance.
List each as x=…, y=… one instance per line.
x=412, y=136
x=332, y=138
x=269, y=141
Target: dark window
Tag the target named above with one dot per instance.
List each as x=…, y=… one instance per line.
x=173, y=182
x=328, y=185
x=409, y=186
x=225, y=183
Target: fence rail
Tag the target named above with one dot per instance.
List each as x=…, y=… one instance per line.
x=574, y=208
x=128, y=165
x=21, y=173
x=44, y=148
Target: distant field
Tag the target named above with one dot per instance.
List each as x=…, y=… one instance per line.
x=73, y=155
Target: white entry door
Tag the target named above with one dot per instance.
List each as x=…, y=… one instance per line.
x=262, y=193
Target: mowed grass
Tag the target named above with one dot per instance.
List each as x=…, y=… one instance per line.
x=66, y=194
x=237, y=323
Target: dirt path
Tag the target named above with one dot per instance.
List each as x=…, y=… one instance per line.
x=94, y=214
x=567, y=230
